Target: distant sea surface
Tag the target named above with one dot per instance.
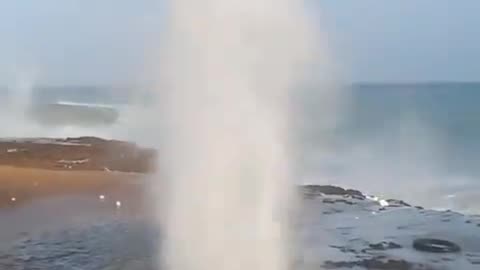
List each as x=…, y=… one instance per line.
x=418, y=142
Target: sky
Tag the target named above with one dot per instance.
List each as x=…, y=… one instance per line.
x=113, y=41
x=404, y=40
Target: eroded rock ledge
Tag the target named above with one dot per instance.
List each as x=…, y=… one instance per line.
x=82, y=153
x=358, y=231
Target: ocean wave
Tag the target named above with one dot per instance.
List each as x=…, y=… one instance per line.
x=68, y=113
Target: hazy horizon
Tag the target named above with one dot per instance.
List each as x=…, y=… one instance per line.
x=351, y=83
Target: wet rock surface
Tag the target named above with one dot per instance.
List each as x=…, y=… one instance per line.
x=376, y=264
x=384, y=246
x=113, y=245
x=310, y=191
x=356, y=231
x=343, y=232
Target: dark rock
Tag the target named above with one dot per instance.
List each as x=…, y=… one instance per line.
x=373, y=263
x=330, y=190
x=435, y=245
x=344, y=249
x=397, y=203
x=358, y=197
x=384, y=246
x=332, y=201
x=355, y=193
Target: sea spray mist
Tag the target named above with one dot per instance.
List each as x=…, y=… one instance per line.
x=230, y=69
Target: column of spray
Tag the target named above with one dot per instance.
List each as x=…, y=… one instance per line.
x=231, y=65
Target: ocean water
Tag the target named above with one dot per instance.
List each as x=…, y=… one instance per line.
x=20, y=117
x=417, y=142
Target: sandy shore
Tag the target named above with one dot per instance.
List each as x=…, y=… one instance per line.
x=40, y=168
x=20, y=185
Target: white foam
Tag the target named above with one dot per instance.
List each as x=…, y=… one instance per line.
x=383, y=203
x=79, y=104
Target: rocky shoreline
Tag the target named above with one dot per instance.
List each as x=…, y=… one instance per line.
x=358, y=231
x=42, y=168
x=82, y=153
x=338, y=228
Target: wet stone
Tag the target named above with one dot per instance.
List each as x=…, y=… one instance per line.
x=374, y=263
x=333, y=201
x=384, y=246
x=330, y=190
x=397, y=203
x=344, y=249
